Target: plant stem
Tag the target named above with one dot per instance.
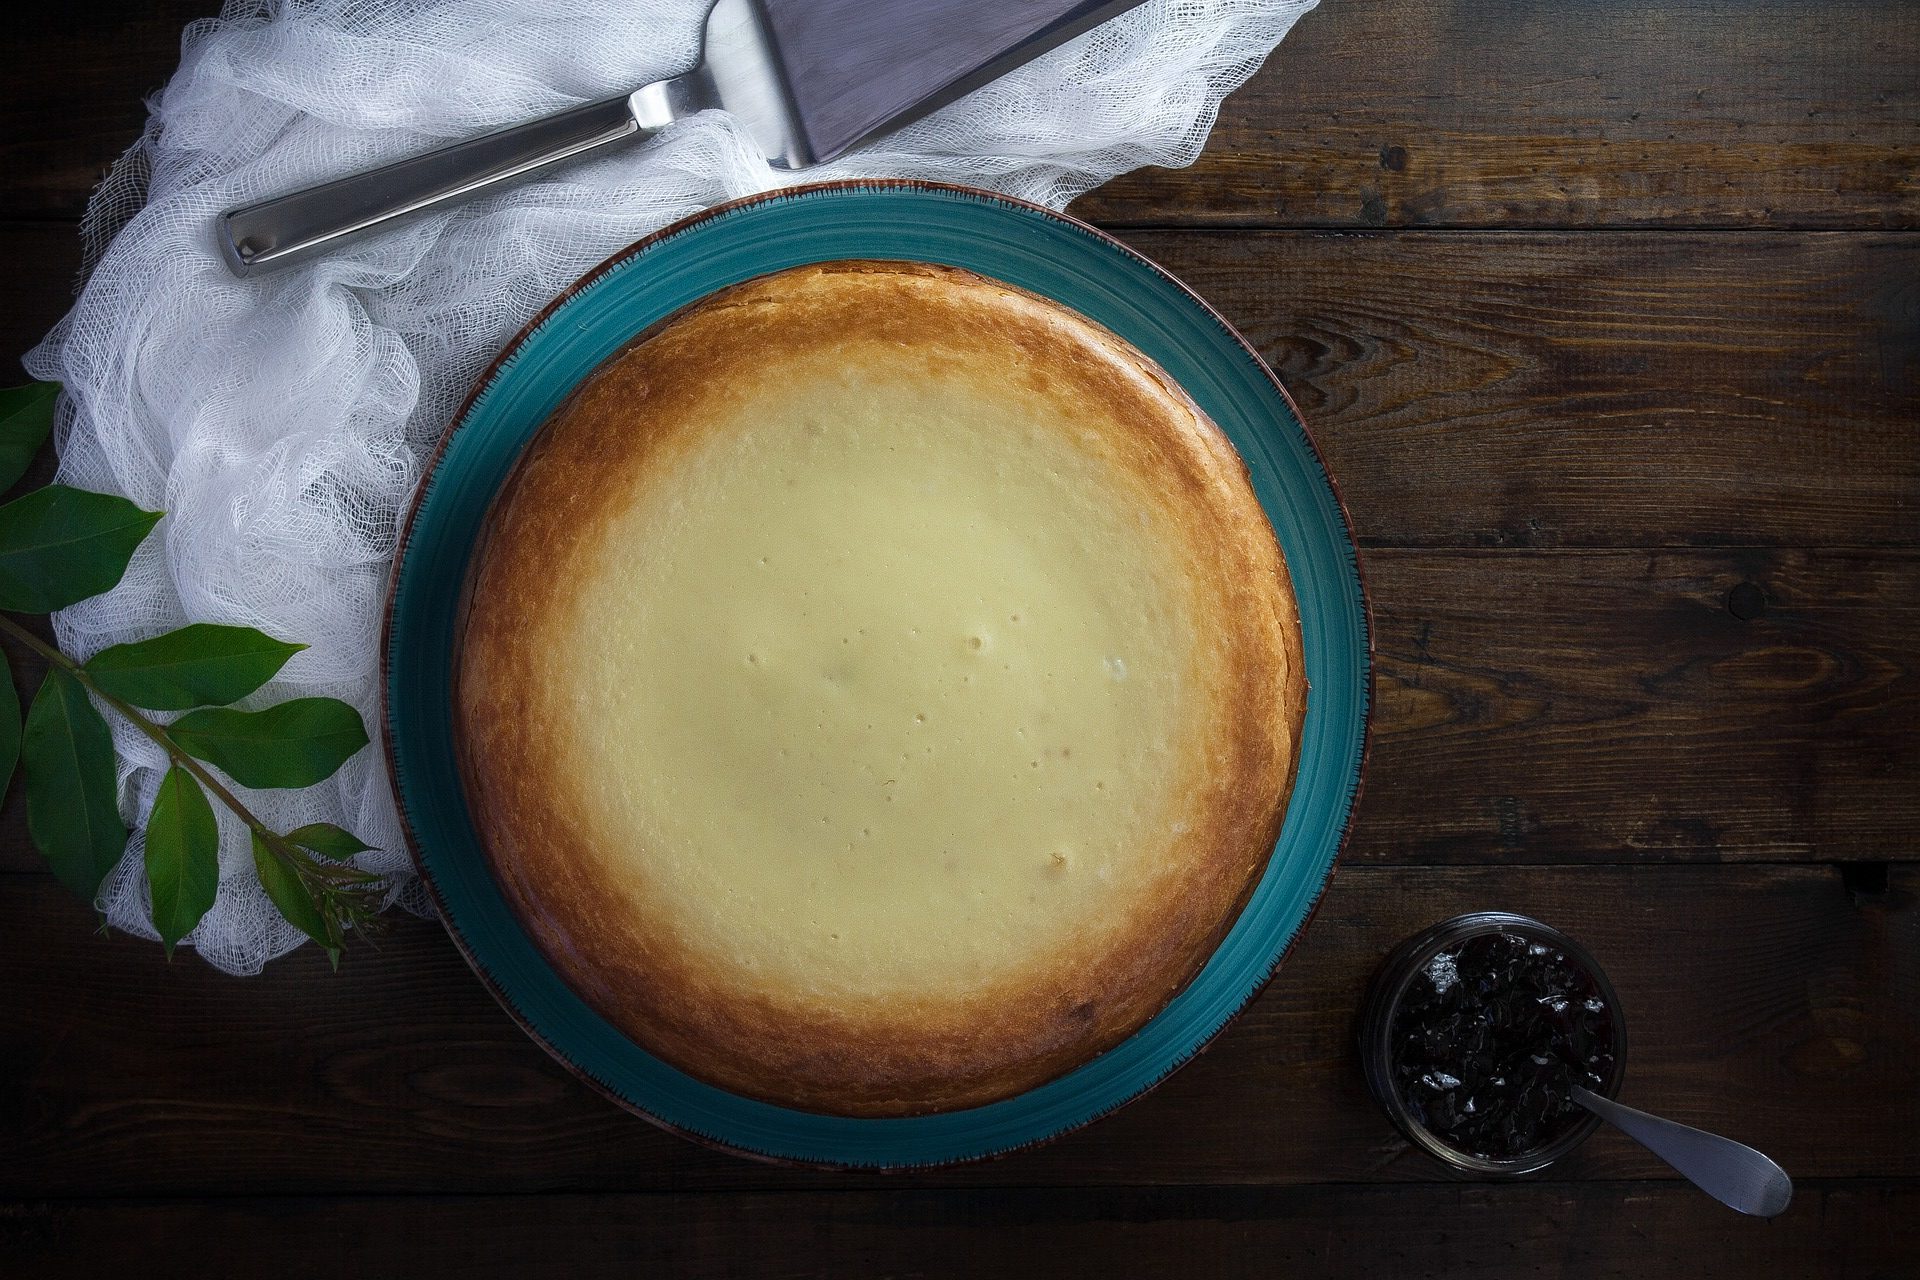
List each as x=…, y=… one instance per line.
x=157, y=732
x=340, y=894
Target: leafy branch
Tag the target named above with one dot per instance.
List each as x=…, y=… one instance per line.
x=60, y=545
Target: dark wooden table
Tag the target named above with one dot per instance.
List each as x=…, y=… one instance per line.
x=1607, y=316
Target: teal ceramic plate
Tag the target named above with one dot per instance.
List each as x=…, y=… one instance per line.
x=1026, y=246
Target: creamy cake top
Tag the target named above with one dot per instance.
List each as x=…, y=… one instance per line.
x=880, y=689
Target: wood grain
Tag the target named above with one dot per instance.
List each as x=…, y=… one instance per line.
x=1798, y=1018
x=43, y=262
x=1600, y=389
x=1611, y=706
x=79, y=76
x=1776, y=113
x=1490, y=1232
x=1772, y=113
x=1639, y=504
x=1540, y=389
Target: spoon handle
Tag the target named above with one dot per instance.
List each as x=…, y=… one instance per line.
x=1731, y=1172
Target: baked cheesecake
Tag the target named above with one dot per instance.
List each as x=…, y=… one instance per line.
x=878, y=689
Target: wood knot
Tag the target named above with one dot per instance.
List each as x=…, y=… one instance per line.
x=1746, y=602
x=1393, y=159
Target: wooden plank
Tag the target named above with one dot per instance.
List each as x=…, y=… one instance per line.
x=1747, y=394
x=1776, y=113
x=1612, y=706
x=1771, y=113
x=1767, y=1002
x=1592, y=390
x=36, y=289
x=75, y=96
x=1542, y=389
x=1832, y=1230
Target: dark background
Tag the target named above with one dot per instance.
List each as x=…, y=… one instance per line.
x=1607, y=317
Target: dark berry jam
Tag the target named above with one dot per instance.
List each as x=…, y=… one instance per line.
x=1489, y=1039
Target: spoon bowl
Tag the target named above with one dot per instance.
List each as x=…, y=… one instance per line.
x=1731, y=1172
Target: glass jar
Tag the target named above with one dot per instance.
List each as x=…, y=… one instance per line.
x=1407, y=963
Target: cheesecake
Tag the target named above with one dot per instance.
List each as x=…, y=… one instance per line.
x=878, y=689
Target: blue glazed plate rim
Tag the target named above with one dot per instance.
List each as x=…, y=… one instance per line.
x=1352, y=603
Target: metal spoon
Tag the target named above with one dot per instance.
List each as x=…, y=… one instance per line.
x=1734, y=1174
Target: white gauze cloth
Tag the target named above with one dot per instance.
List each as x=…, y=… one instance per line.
x=281, y=422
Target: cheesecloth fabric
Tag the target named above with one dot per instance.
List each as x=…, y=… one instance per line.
x=282, y=422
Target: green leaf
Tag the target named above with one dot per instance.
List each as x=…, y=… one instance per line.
x=9, y=726
x=199, y=665
x=328, y=841
x=26, y=415
x=72, y=813
x=294, y=744
x=183, y=856
x=61, y=545
x=284, y=886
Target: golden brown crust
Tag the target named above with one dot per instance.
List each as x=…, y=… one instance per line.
x=784, y=1046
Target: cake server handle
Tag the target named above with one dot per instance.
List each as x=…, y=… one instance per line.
x=288, y=228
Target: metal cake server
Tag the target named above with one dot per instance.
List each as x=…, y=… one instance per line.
x=1731, y=1172
x=806, y=78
